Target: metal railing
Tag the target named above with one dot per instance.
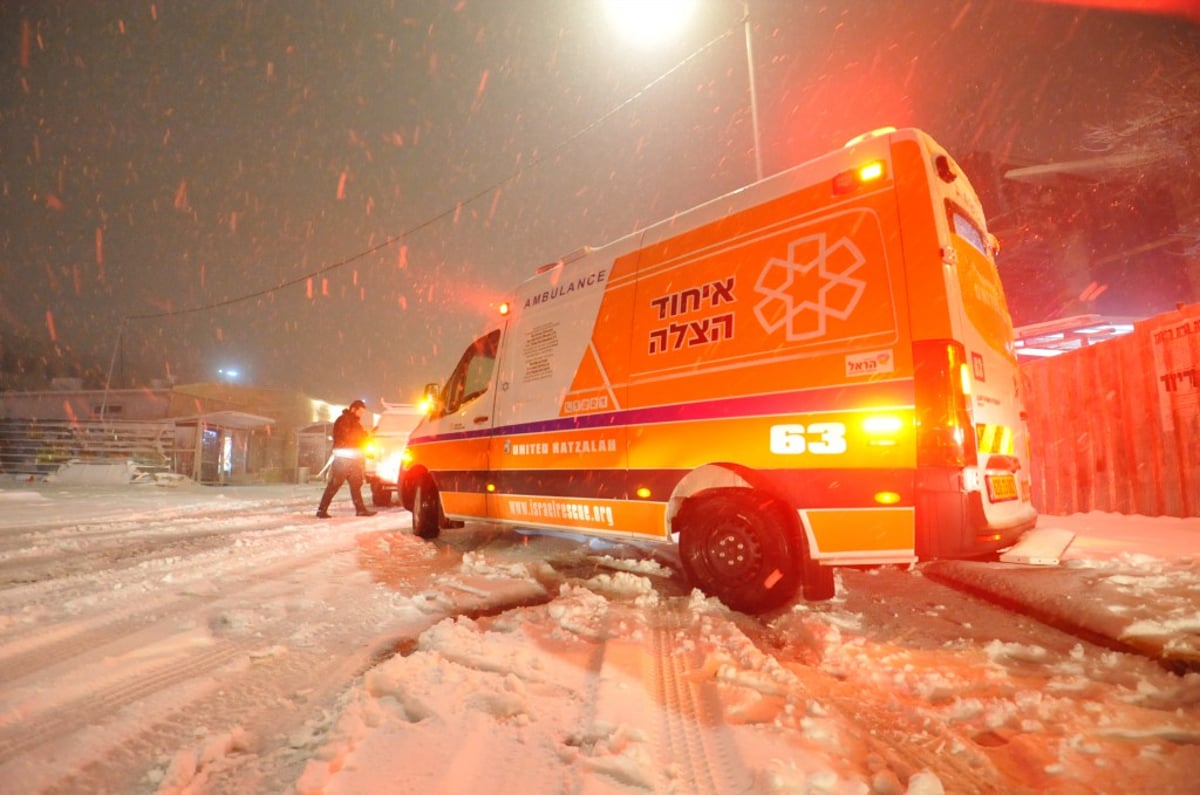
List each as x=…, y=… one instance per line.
x=40, y=447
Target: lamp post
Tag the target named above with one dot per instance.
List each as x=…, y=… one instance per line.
x=758, y=170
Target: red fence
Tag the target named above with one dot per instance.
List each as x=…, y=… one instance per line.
x=1116, y=426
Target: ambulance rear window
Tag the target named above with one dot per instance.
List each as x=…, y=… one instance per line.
x=965, y=228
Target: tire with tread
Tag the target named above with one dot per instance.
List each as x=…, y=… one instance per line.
x=741, y=547
x=426, y=510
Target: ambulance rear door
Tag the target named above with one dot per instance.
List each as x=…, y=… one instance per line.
x=981, y=322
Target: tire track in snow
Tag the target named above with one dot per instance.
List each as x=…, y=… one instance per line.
x=241, y=549
x=692, y=730
x=279, y=727
x=277, y=702
x=19, y=538
x=93, y=634
x=82, y=711
x=272, y=711
x=211, y=680
x=40, y=558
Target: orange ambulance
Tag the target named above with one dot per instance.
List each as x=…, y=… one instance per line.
x=815, y=370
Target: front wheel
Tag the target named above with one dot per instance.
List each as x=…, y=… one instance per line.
x=426, y=510
x=739, y=547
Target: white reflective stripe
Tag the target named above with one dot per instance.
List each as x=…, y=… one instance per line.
x=347, y=452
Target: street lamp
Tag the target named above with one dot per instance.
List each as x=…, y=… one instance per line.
x=648, y=22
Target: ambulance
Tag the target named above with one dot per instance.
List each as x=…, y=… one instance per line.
x=816, y=370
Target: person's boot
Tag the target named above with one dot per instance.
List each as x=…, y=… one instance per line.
x=322, y=514
x=364, y=512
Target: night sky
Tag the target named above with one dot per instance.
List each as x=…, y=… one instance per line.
x=394, y=167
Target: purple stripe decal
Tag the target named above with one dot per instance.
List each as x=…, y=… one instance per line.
x=833, y=398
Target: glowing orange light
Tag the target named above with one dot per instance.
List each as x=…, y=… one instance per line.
x=643, y=492
x=883, y=429
x=504, y=308
x=871, y=171
x=882, y=423
x=848, y=181
x=887, y=497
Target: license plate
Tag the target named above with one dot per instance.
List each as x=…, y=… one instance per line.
x=1002, y=488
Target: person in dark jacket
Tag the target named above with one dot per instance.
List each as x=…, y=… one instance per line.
x=349, y=459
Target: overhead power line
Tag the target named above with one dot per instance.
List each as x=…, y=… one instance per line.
x=392, y=240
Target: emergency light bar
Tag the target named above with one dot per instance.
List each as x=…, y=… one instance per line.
x=847, y=181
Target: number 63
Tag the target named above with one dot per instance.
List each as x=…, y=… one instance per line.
x=826, y=438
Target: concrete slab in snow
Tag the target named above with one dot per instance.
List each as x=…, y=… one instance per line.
x=1042, y=546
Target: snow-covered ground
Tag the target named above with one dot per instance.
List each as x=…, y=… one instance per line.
x=183, y=639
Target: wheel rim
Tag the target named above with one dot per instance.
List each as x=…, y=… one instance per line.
x=736, y=546
x=733, y=553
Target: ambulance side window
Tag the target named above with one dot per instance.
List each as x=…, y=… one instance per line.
x=473, y=375
x=966, y=229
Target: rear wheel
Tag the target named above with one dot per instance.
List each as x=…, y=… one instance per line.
x=426, y=510
x=740, y=547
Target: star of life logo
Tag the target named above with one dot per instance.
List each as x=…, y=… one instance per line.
x=816, y=282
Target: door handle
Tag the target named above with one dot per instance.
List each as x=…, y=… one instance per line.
x=478, y=420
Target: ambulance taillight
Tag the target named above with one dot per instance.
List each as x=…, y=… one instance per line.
x=884, y=430
x=945, y=430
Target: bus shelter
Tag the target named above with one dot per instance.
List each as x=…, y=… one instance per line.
x=221, y=447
